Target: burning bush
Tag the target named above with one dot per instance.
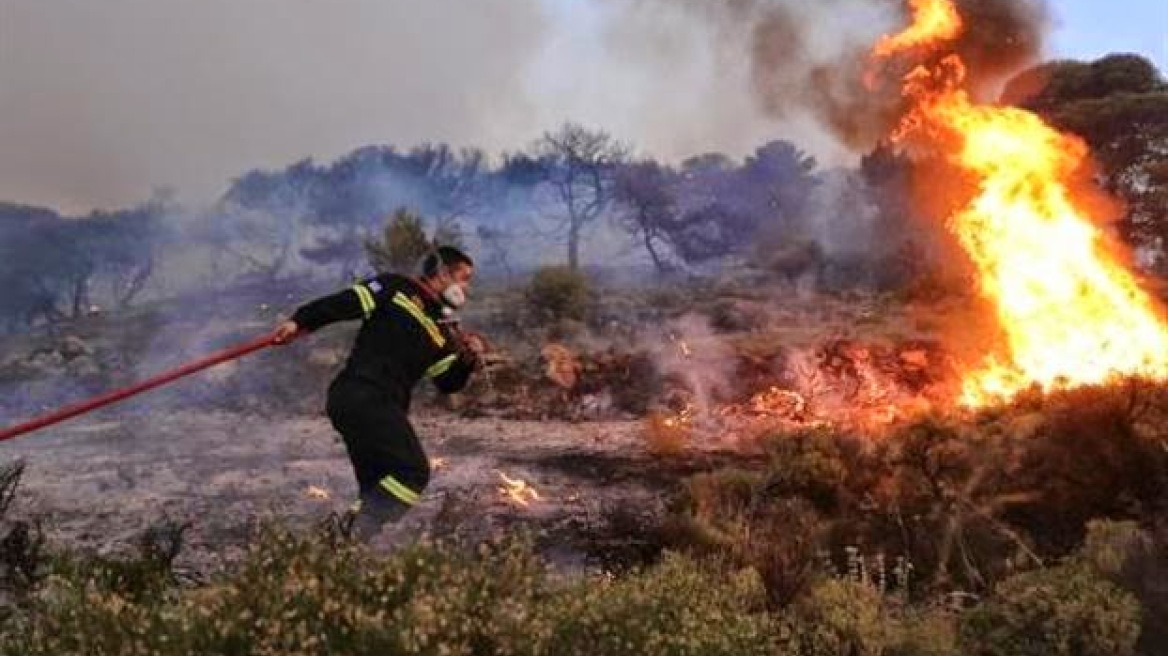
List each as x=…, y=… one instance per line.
x=967, y=499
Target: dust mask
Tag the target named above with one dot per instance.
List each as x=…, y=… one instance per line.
x=454, y=295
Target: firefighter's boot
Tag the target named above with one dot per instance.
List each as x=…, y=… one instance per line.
x=375, y=511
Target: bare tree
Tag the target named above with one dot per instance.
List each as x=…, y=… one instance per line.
x=581, y=168
x=648, y=207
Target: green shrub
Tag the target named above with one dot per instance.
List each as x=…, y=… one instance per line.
x=558, y=293
x=1067, y=610
x=404, y=242
x=839, y=617
x=1136, y=559
x=299, y=595
x=1110, y=546
x=809, y=464
x=680, y=607
x=22, y=545
x=843, y=616
x=729, y=513
x=925, y=632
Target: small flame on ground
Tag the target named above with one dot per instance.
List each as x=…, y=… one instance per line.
x=517, y=490
x=315, y=492
x=779, y=399
x=438, y=463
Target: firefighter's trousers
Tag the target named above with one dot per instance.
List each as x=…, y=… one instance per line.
x=391, y=467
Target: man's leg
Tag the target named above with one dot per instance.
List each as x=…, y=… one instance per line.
x=403, y=472
x=391, y=467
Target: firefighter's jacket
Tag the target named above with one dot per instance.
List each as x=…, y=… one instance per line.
x=402, y=337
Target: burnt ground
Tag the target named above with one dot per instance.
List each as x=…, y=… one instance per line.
x=99, y=483
x=210, y=453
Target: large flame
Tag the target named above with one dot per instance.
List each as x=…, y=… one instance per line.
x=933, y=21
x=1070, y=311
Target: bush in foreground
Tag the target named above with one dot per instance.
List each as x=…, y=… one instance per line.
x=1068, y=610
x=297, y=595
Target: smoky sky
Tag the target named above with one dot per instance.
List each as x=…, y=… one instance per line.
x=102, y=101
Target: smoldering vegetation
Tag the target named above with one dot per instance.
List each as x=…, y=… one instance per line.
x=778, y=336
x=182, y=281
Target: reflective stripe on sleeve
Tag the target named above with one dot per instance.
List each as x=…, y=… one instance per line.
x=366, y=298
x=442, y=366
x=403, y=493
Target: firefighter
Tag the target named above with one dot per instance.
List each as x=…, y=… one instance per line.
x=406, y=335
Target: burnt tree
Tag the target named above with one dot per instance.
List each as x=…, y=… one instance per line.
x=581, y=169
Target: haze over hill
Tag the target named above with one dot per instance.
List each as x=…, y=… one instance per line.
x=101, y=102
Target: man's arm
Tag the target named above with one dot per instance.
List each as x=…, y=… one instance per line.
x=452, y=372
x=356, y=302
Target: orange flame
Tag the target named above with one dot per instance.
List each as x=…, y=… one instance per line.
x=933, y=21
x=1071, y=313
x=316, y=492
x=517, y=490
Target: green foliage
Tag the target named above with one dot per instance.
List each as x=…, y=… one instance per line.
x=1053, y=83
x=732, y=514
x=1068, y=610
x=925, y=632
x=309, y=595
x=558, y=293
x=22, y=552
x=1136, y=559
x=840, y=617
x=1109, y=546
x=404, y=242
x=678, y=607
x=810, y=464
x=792, y=258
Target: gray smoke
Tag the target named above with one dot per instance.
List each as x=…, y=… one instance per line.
x=101, y=102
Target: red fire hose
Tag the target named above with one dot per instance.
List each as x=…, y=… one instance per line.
x=150, y=383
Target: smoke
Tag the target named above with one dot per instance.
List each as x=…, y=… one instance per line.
x=101, y=102
x=687, y=349
x=810, y=59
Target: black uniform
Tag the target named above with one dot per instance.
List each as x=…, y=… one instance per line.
x=401, y=341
